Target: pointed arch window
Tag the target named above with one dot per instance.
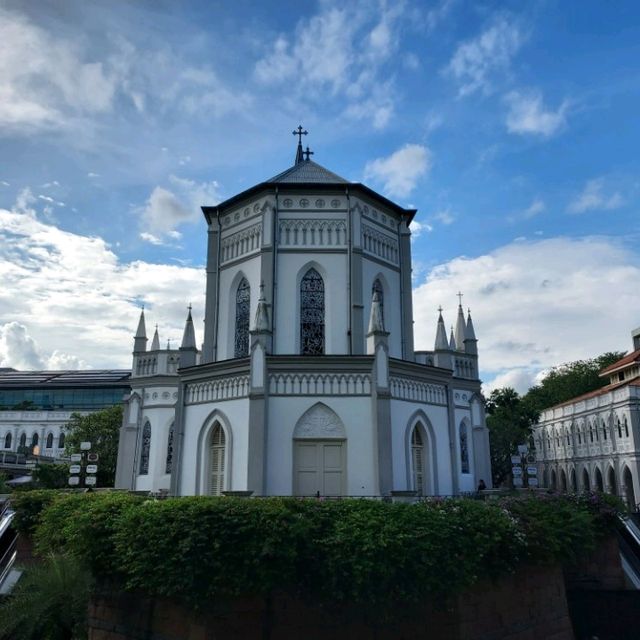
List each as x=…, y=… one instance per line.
x=217, y=444
x=50, y=441
x=377, y=288
x=169, y=461
x=145, y=449
x=626, y=427
x=417, y=459
x=61, y=441
x=23, y=441
x=464, y=448
x=7, y=441
x=243, y=310
x=619, y=428
x=34, y=440
x=312, y=314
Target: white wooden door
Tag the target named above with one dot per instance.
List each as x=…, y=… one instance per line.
x=319, y=467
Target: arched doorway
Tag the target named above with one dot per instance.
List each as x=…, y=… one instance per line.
x=563, y=481
x=627, y=481
x=572, y=480
x=586, y=481
x=599, y=482
x=554, y=484
x=545, y=478
x=612, y=485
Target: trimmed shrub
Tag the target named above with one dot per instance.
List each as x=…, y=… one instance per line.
x=29, y=506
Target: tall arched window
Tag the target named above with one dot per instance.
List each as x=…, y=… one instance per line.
x=7, y=441
x=377, y=288
x=464, y=448
x=312, y=314
x=50, y=441
x=34, y=440
x=61, y=441
x=23, y=440
x=417, y=459
x=169, y=462
x=619, y=429
x=243, y=309
x=145, y=449
x=216, y=460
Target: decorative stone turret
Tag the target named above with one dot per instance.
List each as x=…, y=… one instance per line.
x=461, y=330
x=452, y=340
x=470, y=341
x=155, y=343
x=441, y=348
x=140, y=340
x=188, y=348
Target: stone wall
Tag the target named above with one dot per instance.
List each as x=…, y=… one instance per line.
x=526, y=606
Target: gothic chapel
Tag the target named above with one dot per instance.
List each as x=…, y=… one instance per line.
x=307, y=382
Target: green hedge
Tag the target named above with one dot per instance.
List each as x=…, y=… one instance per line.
x=371, y=554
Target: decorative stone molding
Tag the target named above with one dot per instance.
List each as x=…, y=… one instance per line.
x=407, y=389
x=147, y=366
x=219, y=389
x=319, y=384
x=320, y=422
x=464, y=368
x=379, y=244
x=241, y=243
x=312, y=233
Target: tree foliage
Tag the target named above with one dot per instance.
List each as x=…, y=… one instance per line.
x=102, y=429
x=50, y=476
x=570, y=380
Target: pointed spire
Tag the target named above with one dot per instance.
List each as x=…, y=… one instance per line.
x=470, y=341
x=140, y=340
x=461, y=329
x=189, y=335
x=299, y=153
x=155, y=343
x=452, y=340
x=441, y=333
x=262, y=313
x=471, y=334
x=376, y=320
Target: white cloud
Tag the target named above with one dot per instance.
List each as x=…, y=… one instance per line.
x=167, y=209
x=445, y=216
x=520, y=379
x=417, y=228
x=476, y=61
x=400, y=172
x=67, y=298
x=592, y=197
x=528, y=116
x=536, y=304
x=536, y=207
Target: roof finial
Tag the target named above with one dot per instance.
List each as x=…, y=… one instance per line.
x=299, y=153
x=307, y=153
x=460, y=294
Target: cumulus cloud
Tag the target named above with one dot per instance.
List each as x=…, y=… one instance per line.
x=594, y=198
x=67, y=299
x=534, y=209
x=476, y=61
x=399, y=173
x=528, y=116
x=536, y=304
x=167, y=209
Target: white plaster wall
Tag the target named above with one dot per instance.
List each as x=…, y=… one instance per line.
x=291, y=268
x=30, y=422
x=160, y=419
x=235, y=415
x=466, y=481
x=402, y=413
x=355, y=413
x=390, y=280
x=229, y=279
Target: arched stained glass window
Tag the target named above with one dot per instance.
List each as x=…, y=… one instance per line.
x=169, y=451
x=417, y=459
x=61, y=441
x=216, y=461
x=377, y=288
x=50, y=441
x=243, y=310
x=7, y=441
x=464, y=448
x=145, y=449
x=312, y=314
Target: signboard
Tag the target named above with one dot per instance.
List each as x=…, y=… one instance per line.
x=517, y=471
x=533, y=482
x=90, y=481
x=516, y=459
x=74, y=481
x=532, y=471
x=74, y=468
x=92, y=468
x=76, y=457
x=531, y=458
x=92, y=457
x=85, y=446
x=517, y=482
x=522, y=449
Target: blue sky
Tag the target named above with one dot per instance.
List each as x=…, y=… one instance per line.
x=512, y=127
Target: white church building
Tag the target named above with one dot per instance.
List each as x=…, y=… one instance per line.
x=307, y=382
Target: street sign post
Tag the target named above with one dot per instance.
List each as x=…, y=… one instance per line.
x=517, y=482
x=76, y=457
x=85, y=446
x=517, y=471
x=92, y=468
x=90, y=481
x=533, y=482
x=532, y=471
x=516, y=459
x=92, y=457
x=74, y=481
x=74, y=468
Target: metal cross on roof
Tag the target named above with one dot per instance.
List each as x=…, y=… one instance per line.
x=440, y=309
x=300, y=132
x=460, y=294
x=307, y=153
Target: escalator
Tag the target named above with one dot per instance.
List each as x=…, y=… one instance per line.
x=9, y=575
x=629, y=541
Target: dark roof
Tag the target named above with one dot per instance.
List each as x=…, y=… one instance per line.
x=630, y=358
x=83, y=378
x=307, y=172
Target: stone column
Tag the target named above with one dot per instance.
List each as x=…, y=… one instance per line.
x=211, y=307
